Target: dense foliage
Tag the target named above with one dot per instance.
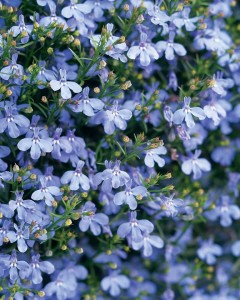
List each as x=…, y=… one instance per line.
x=119, y=149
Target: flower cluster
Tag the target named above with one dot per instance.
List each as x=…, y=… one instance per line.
x=119, y=149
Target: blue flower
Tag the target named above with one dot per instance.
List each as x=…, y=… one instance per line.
x=76, y=178
x=186, y=113
x=218, y=84
x=170, y=47
x=78, y=149
x=92, y=220
x=134, y=229
x=36, y=143
x=6, y=211
x=195, y=165
x=22, y=234
x=129, y=195
x=145, y=50
x=61, y=287
x=152, y=156
x=147, y=243
x=112, y=176
x=82, y=103
x=46, y=193
x=184, y=20
x=116, y=117
x=65, y=86
x=14, y=268
x=13, y=70
x=22, y=28
x=46, y=21
x=4, y=152
x=76, y=10
x=13, y=123
x=22, y=206
x=5, y=176
x=225, y=210
x=158, y=17
x=40, y=266
x=114, y=282
x=60, y=143
x=208, y=252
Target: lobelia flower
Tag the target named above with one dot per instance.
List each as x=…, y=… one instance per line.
x=46, y=193
x=170, y=47
x=6, y=211
x=114, y=282
x=82, y=103
x=116, y=117
x=184, y=20
x=13, y=123
x=44, y=2
x=4, y=152
x=38, y=266
x=21, y=205
x=61, y=287
x=36, y=143
x=112, y=176
x=24, y=30
x=208, y=252
x=14, y=268
x=78, y=149
x=76, y=178
x=44, y=75
x=91, y=219
x=21, y=234
x=13, y=70
x=213, y=40
x=60, y=143
x=97, y=7
x=152, y=157
x=46, y=21
x=158, y=17
x=197, y=136
x=111, y=40
x=224, y=155
x=147, y=243
x=172, y=81
x=145, y=51
x=194, y=164
x=236, y=248
x=225, y=210
x=65, y=86
x=5, y=176
x=129, y=195
x=134, y=229
x=218, y=84
x=186, y=113
x=76, y=10
x=170, y=206
x=216, y=110
x=6, y=233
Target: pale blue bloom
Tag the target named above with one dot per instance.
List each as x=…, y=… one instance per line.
x=187, y=112
x=65, y=86
x=76, y=178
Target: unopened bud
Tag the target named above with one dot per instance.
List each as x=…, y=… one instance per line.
x=126, y=85
x=96, y=90
x=41, y=294
x=16, y=168
x=54, y=203
x=68, y=222
x=50, y=51
x=44, y=99
x=126, y=139
x=64, y=247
